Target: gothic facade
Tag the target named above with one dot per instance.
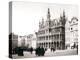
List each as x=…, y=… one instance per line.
x=51, y=32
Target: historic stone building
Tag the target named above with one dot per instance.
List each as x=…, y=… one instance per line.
x=71, y=33
x=22, y=41
x=13, y=42
x=31, y=40
x=74, y=31
x=51, y=33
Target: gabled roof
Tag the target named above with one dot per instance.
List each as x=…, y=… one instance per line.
x=73, y=20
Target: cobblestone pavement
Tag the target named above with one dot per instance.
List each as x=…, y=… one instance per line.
x=48, y=53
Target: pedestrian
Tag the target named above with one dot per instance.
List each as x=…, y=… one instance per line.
x=20, y=51
x=31, y=50
x=38, y=51
x=42, y=51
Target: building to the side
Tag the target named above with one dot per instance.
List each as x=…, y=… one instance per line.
x=51, y=32
x=13, y=41
x=31, y=40
x=22, y=41
x=74, y=32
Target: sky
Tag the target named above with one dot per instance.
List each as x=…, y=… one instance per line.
x=26, y=15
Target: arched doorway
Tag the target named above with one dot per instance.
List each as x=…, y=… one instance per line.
x=46, y=45
x=49, y=45
x=55, y=45
x=52, y=44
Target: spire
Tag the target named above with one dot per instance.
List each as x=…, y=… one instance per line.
x=64, y=18
x=48, y=14
x=63, y=13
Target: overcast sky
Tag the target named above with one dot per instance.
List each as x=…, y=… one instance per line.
x=26, y=15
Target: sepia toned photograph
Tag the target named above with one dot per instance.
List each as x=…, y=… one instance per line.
x=42, y=29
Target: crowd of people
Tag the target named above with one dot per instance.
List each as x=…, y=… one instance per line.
x=39, y=51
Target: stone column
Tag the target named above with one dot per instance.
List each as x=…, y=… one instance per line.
x=59, y=40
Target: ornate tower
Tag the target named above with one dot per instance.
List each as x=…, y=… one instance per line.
x=48, y=18
x=48, y=14
x=62, y=29
x=64, y=18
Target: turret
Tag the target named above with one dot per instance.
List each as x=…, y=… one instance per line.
x=48, y=14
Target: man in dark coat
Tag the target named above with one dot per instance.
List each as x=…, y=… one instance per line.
x=38, y=51
x=20, y=51
x=42, y=51
x=31, y=50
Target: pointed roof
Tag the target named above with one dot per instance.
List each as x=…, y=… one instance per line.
x=63, y=13
x=48, y=14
